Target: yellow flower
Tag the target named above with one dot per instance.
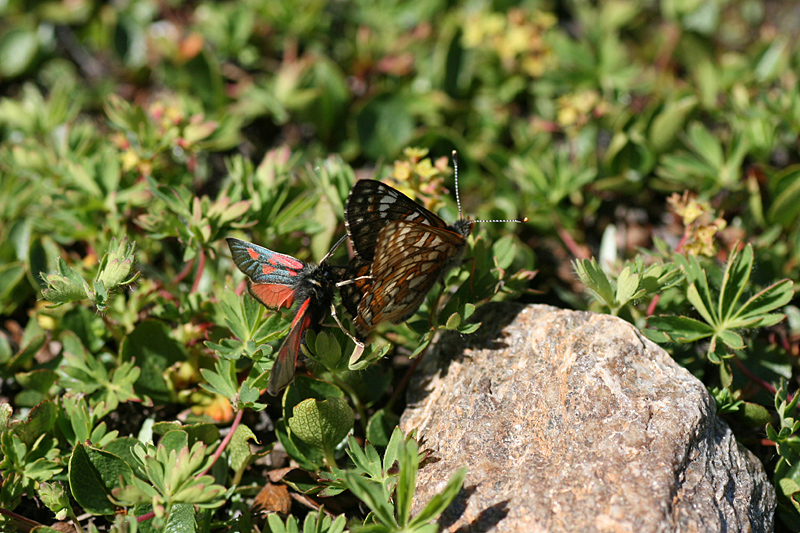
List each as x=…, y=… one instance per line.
x=129, y=160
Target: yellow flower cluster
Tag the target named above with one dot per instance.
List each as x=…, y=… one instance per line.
x=700, y=223
x=517, y=37
x=419, y=178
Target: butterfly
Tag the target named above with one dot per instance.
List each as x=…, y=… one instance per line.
x=278, y=281
x=402, y=250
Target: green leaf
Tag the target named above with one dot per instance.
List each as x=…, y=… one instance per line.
x=175, y=440
x=468, y=329
x=701, y=141
x=308, y=457
x=222, y=380
x=670, y=121
x=396, y=442
x=756, y=415
x=773, y=60
x=595, y=280
x=733, y=340
x=627, y=284
x=41, y=420
x=786, y=205
x=385, y=125
x=380, y=427
x=326, y=349
x=407, y=481
x=65, y=286
x=155, y=350
x=322, y=423
x=239, y=449
x=123, y=448
x=681, y=328
x=18, y=48
x=440, y=501
x=181, y=519
x=366, y=460
x=453, y=321
x=504, y=251
x=93, y=474
x=737, y=274
x=755, y=310
x=693, y=295
x=372, y=494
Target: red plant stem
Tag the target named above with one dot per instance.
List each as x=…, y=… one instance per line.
x=201, y=265
x=183, y=273
x=751, y=376
x=571, y=245
x=683, y=240
x=236, y=421
x=653, y=304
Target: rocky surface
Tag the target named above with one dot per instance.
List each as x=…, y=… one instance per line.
x=574, y=421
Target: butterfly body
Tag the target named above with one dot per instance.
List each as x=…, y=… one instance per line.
x=279, y=281
x=402, y=250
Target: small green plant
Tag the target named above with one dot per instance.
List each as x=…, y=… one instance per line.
x=389, y=497
x=722, y=311
x=633, y=284
x=115, y=271
x=787, y=444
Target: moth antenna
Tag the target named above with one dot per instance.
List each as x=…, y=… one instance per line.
x=455, y=174
x=335, y=246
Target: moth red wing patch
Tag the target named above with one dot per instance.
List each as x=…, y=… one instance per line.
x=272, y=295
x=282, y=371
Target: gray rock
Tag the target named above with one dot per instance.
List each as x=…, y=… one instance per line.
x=574, y=421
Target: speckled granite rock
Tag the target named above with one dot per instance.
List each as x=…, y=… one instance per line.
x=573, y=421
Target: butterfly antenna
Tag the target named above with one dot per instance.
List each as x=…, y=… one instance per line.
x=335, y=246
x=455, y=173
x=458, y=197
x=518, y=220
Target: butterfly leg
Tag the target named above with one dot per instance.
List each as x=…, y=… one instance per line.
x=351, y=281
x=359, y=345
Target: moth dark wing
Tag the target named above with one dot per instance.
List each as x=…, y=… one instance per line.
x=263, y=265
x=409, y=259
x=371, y=206
x=282, y=371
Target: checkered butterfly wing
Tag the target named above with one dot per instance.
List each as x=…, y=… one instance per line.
x=373, y=205
x=409, y=259
x=277, y=281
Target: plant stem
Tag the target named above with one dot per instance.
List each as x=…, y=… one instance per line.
x=201, y=265
x=236, y=421
x=362, y=414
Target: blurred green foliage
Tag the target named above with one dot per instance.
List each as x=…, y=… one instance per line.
x=652, y=145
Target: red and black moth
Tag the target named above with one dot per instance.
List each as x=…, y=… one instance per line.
x=279, y=281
